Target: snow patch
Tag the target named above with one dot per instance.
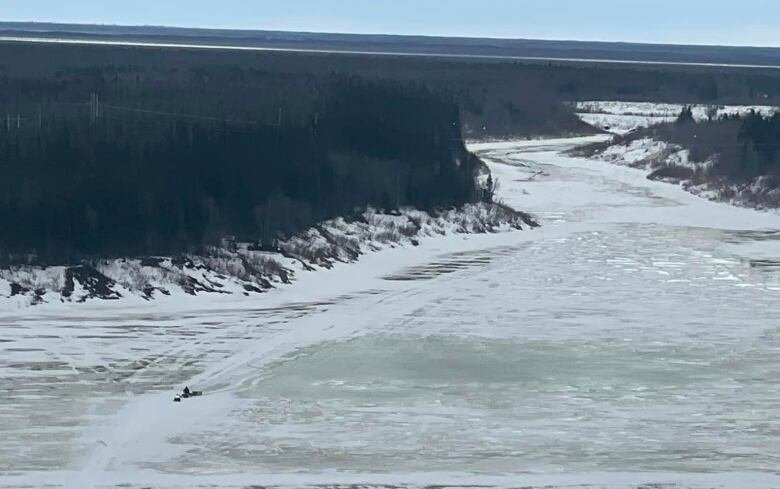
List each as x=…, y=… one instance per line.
x=634, y=152
x=624, y=117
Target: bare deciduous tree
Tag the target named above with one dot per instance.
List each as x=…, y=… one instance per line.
x=712, y=112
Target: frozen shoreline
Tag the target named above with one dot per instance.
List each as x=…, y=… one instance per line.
x=237, y=269
x=634, y=146
x=672, y=164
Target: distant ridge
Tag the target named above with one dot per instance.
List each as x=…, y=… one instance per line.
x=408, y=45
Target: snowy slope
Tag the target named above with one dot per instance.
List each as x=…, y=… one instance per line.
x=241, y=268
x=671, y=163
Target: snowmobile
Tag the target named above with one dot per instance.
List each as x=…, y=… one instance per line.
x=186, y=394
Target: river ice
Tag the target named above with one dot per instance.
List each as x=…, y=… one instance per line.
x=634, y=339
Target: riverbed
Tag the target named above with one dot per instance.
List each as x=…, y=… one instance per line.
x=633, y=339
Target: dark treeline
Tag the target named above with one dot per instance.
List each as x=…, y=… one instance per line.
x=80, y=180
x=666, y=84
x=120, y=150
x=760, y=144
x=496, y=98
x=740, y=147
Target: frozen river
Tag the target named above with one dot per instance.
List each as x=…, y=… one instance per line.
x=633, y=340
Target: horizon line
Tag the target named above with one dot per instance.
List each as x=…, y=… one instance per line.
x=386, y=34
x=216, y=47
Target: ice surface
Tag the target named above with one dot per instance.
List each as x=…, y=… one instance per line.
x=630, y=341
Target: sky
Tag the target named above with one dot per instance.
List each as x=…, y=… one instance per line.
x=720, y=22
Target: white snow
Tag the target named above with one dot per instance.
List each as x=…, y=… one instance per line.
x=243, y=270
x=622, y=124
x=622, y=117
x=636, y=151
x=650, y=154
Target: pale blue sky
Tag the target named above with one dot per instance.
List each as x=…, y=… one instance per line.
x=743, y=22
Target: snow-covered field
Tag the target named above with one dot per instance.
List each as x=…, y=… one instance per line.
x=631, y=341
x=623, y=117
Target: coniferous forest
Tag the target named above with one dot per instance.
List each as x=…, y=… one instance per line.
x=741, y=148
x=117, y=151
x=126, y=162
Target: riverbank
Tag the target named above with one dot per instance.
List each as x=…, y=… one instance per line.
x=674, y=164
x=248, y=268
x=632, y=321
x=709, y=153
